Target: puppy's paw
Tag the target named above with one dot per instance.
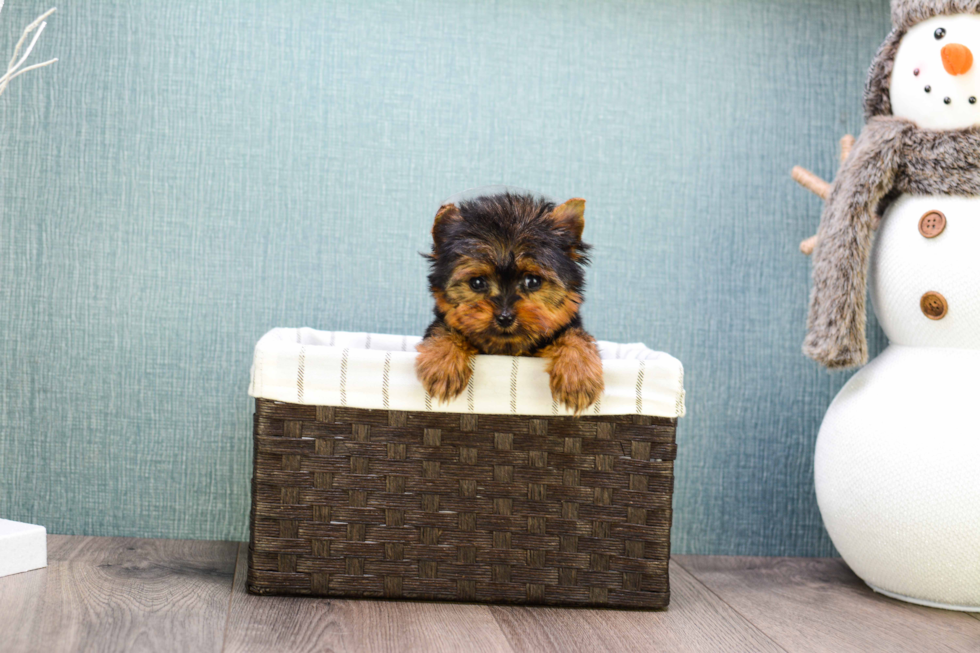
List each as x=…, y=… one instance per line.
x=443, y=367
x=576, y=373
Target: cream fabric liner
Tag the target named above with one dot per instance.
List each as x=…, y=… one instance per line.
x=367, y=370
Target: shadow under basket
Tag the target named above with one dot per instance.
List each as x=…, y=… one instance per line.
x=354, y=502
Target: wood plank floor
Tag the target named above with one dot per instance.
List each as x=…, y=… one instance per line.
x=121, y=594
x=807, y=604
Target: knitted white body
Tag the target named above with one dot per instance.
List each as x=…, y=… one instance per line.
x=905, y=265
x=898, y=456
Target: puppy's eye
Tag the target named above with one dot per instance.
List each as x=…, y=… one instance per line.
x=532, y=282
x=939, y=33
x=478, y=284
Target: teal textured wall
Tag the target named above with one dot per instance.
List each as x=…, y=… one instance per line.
x=191, y=174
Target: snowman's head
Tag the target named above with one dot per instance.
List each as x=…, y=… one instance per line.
x=926, y=70
x=935, y=81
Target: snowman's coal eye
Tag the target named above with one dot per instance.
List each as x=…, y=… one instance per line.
x=939, y=33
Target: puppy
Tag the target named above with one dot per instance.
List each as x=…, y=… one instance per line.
x=507, y=277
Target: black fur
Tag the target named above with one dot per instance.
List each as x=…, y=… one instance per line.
x=497, y=229
x=507, y=221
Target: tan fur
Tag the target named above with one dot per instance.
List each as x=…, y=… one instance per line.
x=443, y=364
x=539, y=316
x=574, y=369
x=446, y=213
x=551, y=313
x=571, y=215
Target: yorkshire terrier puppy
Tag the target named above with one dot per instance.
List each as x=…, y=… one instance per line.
x=507, y=276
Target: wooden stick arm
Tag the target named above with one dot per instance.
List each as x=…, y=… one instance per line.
x=846, y=145
x=808, y=245
x=811, y=182
x=818, y=186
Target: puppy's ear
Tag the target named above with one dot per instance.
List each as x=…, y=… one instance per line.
x=447, y=215
x=570, y=218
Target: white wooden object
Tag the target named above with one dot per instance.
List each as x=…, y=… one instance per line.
x=23, y=547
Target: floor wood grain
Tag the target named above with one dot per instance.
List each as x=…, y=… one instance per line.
x=274, y=623
x=695, y=621
x=120, y=594
x=22, y=599
x=808, y=604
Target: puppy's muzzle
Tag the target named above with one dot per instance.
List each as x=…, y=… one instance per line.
x=505, y=319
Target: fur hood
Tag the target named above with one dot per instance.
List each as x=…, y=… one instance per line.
x=906, y=13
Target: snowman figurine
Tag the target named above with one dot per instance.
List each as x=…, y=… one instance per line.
x=897, y=464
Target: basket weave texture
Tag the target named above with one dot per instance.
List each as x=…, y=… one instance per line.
x=492, y=508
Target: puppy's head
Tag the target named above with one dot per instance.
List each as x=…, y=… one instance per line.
x=507, y=270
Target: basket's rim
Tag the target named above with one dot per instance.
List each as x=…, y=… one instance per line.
x=405, y=344
x=377, y=371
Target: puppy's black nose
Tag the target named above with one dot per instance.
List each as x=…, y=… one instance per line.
x=505, y=319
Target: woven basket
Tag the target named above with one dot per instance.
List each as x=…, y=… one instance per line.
x=493, y=508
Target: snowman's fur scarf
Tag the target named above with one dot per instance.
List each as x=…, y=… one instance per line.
x=892, y=156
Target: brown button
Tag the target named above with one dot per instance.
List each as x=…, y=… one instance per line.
x=933, y=305
x=932, y=224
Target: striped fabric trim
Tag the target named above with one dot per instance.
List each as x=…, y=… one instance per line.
x=343, y=377
x=513, y=385
x=300, y=374
x=639, y=388
x=681, y=396
x=471, y=387
x=386, y=380
x=298, y=365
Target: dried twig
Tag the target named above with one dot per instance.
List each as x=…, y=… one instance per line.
x=811, y=182
x=818, y=186
x=14, y=68
x=846, y=145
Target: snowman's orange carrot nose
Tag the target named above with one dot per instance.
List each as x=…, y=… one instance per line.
x=957, y=59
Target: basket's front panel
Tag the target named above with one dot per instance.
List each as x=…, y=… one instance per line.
x=564, y=511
